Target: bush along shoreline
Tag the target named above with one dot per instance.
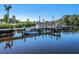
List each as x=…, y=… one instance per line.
x=17, y=25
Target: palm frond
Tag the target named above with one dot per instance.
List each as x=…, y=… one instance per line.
x=7, y=7
x=10, y=6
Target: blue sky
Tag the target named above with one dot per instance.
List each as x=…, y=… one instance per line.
x=46, y=11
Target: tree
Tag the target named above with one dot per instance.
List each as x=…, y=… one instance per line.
x=27, y=20
x=43, y=22
x=53, y=20
x=7, y=9
x=5, y=19
x=14, y=19
x=66, y=19
x=39, y=18
x=72, y=20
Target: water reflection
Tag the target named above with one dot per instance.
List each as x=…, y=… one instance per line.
x=8, y=44
x=9, y=41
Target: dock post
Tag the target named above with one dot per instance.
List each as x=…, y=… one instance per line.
x=24, y=31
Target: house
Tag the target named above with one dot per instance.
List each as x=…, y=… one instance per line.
x=44, y=24
x=2, y=23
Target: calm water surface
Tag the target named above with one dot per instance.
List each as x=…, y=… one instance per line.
x=46, y=44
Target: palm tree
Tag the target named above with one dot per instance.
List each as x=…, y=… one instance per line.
x=39, y=18
x=7, y=9
x=43, y=23
x=53, y=18
x=27, y=20
x=13, y=19
x=53, y=21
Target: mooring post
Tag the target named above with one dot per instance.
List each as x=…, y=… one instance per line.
x=24, y=30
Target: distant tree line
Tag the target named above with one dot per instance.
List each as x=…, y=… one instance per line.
x=69, y=20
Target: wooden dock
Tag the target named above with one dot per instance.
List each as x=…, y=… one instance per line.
x=24, y=30
x=9, y=30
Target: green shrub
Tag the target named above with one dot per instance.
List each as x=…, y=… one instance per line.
x=17, y=25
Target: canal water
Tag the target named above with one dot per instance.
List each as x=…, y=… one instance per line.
x=65, y=43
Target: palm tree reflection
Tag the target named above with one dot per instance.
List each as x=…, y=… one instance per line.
x=9, y=41
x=8, y=44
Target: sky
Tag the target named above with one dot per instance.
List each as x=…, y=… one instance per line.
x=45, y=11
